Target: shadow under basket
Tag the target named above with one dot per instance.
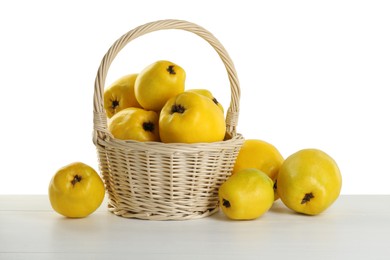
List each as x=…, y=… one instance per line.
x=160, y=181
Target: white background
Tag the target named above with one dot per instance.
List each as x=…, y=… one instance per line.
x=312, y=73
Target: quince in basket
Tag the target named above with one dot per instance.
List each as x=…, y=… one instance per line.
x=208, y=94
x=120, y=95
x=191, y=118
x=135, y=124
x=157, y=83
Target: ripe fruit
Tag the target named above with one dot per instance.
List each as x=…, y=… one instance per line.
x=208, y=94
x=157, y=83
x=260, y=155
x=120, y=95
x=76, y=190
x=248, y=194
x=309, y=181
x=191, y=118
x=135, y=124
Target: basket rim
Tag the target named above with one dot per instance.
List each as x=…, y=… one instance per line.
x=167, y=148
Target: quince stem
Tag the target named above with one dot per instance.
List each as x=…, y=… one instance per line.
x=226, y=203
x=76, y=179
x=177, y=109
x=307, y=198
x=148, y=126
x=171, y=70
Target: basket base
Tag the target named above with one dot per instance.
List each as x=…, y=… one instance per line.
x=160, y=216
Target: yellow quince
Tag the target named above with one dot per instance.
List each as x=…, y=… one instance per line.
x=120, y=95
x=191, y=118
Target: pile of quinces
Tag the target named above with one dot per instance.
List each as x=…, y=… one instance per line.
x=153, y=105
x=308, y=181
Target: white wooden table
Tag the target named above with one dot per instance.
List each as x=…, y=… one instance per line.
x=355, y=227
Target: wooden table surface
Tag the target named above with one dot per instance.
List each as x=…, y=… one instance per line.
x=354, y=227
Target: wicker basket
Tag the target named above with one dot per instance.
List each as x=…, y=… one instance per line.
x=158, y=181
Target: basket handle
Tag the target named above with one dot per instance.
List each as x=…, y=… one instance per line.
x=100, y=119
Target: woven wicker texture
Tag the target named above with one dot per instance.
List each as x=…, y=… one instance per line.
x=157, y=181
